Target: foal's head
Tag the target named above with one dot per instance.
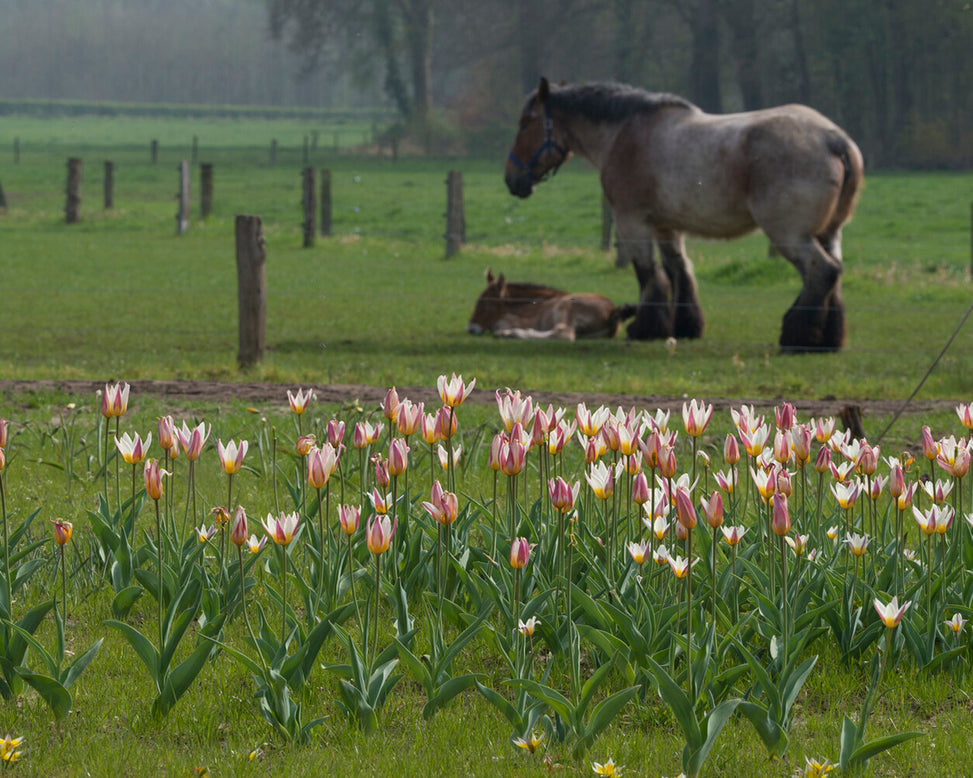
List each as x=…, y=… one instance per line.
x=539, y=147
x=489, y=305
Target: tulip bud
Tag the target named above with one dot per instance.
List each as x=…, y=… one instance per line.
x=731, y=450
x=62, y=531
x=238, y=533
x=713, y=510
x=780, y=516
x=685, y=511
x=519, y=553
x=349, y=517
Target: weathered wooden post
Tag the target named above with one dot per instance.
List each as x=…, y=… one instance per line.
x=17, y=151
x=154, y=149
x=3, y=199
x=182, y=215
x=72, y=207
x=455, y=214
x=194, y=156
x=205, y=189
x=325, y=202
x=309, y=202
x=273, y=153
x=109, y=184
x=251, y=289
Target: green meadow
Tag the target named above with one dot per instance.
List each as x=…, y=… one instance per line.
x=122, y=297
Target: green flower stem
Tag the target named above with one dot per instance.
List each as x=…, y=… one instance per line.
x=158, y=551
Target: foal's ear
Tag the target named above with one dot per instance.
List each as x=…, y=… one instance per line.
x=489, y=275
x=543, y=90
x=503, y=283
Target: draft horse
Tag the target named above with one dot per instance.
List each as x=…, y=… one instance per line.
x=668, y=169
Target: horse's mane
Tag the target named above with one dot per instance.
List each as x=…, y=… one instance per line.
x=610, y=101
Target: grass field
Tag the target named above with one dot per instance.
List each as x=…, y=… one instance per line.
x=121, y=296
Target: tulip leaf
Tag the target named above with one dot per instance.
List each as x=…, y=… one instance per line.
x=125, y=599
x=678, y=701
x=74, y=670
x=143, y=647
x=54, y=694
x=713, y=725
x=447, y=691
x=866, y=751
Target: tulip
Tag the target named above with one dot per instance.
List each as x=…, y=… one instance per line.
x=445, y=423
x=696, y=417
x=378, y=533
x=955, y=624
x=660, y=526
x=609, y=768
x=167, y=433
x=380, y=502
x=965, y=413
x=679, y=566
x=824, y=429
x=454, y=391
x=857, y=544
x=428, y=430
x=764, y=481
x=930, y=450
x=321, y=464
x=641, y=494
x=409, y=417
x=801, y=443
x=514, y=408
x=62, y=531
x=822, y=462
x=639, y=551
x=798, y=543
x=519, y=553
x=601, y=479
x=530, y=744
x=526, y=628
x=846, y=494
x=713, y=510
x=193, y=440
x=496, y=451
x=726, y=481
x=661, y=556
x=238, y=533
x=255, y=545
x=731, y=450
x=153, y=478
x=785, y=416
x=349, y=518
x=281, y=528
x=892, y=613
x=335, y=432
x=299, y=401
x=133, y=449
x=390, y=405
x=733, y=534
x=231, y=455
x=782, y=447
x=755, y=440
x=204, y=533
x=780, y=520
x=512, y=456
x=304, y=444
x=114, y=401
x=591, y=422
x=443, y=454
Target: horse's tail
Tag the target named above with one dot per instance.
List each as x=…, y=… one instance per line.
x=623, y=312
x=848, y=153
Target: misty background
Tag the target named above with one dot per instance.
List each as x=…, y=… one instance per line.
x=896, y=74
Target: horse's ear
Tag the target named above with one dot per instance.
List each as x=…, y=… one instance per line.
x=503, y=283
x=543, y=90
x=489, y=275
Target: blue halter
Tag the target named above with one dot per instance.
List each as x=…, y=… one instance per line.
x=548, y=145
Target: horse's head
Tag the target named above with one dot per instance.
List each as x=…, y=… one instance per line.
x=489, y=305
x=539, y=149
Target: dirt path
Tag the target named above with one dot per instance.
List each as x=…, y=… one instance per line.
x=216, y=391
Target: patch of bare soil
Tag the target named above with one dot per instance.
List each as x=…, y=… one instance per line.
x=342, y=394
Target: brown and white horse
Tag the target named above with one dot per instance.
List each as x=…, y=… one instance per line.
x=667, y=169
x=536, y=312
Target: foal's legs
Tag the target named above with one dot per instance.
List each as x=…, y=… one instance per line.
x=687, y=316
x=816, y=321
x=654, y=316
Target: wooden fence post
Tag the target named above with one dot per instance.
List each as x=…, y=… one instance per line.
x=273, y=153
x=325, y=202
x=206, y=189
x=154, y=150
x=251, y=254
x=109, y=184
x=3, y=199
x=72, y=208
x=310, y=210
x=455, y=214
x=182, y=215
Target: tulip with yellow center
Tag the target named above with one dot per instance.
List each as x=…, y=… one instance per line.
x=798, y=543
x=454, y=391
x=955, y=624
x=679, y=566
x=299, y=401
x=231, y=455
x=193, y=439
x=204, y=533
x=238, y=533
x=255, y=545
x=661, y=556
x=281, y=528
x=526, y=628
x=734, y=534
x=8, y=749
x=133, y=449
x=304, y=445
x=349, y=518
x=639, y=551
x=114, y=401
x=519, y=553
x=601, y=479
x=892, y=613
x=62, y=531
x=609, y=768
x=695, y=417
x=378, y=533
x=442, y=454
x=857, y=544
x=530, y=744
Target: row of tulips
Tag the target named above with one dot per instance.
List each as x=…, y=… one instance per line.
x=798, y=533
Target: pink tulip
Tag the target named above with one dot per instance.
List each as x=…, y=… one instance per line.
x=231, y=455
x=238, y=533
x=519, y=553
x=349, y=517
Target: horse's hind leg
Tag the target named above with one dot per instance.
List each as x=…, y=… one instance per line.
x=816, y=320
x=687, y=315
x=653, y=318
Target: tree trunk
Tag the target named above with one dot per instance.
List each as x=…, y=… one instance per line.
x=742, y=21
x=704, y=24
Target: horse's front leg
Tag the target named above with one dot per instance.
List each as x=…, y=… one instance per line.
x=653, y=318
x=687, y=315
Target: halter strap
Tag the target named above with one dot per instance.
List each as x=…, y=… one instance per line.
x=549, y=144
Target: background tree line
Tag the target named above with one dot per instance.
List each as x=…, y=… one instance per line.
x=897, y=74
